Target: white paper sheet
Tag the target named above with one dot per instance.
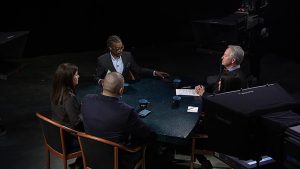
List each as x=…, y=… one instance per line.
x=186, y=92
x=192, y=109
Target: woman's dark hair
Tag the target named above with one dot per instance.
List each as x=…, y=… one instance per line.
x=63, y=82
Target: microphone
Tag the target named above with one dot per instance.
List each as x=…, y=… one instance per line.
x=221, y=66
x=216, y=85
x=221, y=69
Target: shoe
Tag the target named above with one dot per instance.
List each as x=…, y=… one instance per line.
x=75, y=166
x=72, y=165
x=206, y=165
x=78, y=167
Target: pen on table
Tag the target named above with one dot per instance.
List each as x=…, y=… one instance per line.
x=186, y=87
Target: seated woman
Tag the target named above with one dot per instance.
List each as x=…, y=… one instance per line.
x=65, y=106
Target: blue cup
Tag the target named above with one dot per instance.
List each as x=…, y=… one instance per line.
x=143, y=104
x=126, y=86
x=176, y=102
x=176, y=83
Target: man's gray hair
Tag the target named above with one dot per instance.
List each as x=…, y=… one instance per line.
x=112, y=39
x=237, y=53
x=113, y=82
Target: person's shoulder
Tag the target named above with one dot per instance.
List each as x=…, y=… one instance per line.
x=126, y=106
x=126, y=53
x=71, y=98
x=104, y=55
x=89, y=97
x=70, y=95
x=240, y=73
x=236, y=72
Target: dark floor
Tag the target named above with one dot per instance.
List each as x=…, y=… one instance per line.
x=26, y=91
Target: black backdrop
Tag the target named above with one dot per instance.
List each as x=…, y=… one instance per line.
x=77, y=26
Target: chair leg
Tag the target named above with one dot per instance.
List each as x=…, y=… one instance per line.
x=143, y=159
x=192, y=154
x=143, y=163
x=47, y=158
x=65, y=163
x=138, y=164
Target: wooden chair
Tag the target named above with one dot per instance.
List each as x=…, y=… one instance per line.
x=195, y=151
x=56, y=137
x=99, y=153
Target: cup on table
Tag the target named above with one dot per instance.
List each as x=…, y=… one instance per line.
x=143, y=104
x=126, y=85
x=176, y=101
x=176, y=83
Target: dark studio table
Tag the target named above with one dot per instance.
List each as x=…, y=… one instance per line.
x=172, y=125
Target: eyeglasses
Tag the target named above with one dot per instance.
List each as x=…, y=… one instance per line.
x=117, y=49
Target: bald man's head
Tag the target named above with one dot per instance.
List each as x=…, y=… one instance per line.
x=113, y=84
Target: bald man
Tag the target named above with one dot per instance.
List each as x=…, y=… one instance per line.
x=105, y=115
